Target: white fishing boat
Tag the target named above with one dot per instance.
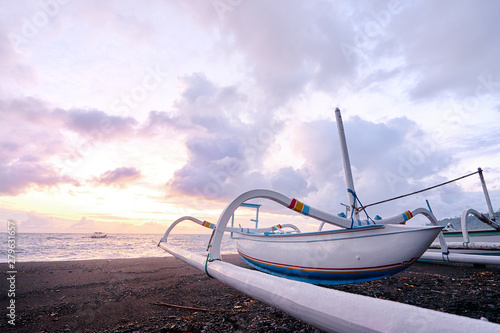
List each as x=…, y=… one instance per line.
x=361, y=250
x=346, y=255
x=358, y=251
x=98, y=235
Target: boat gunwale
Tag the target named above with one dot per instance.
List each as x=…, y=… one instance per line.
x=278, y=238
x=477, y=232
x=311, y=233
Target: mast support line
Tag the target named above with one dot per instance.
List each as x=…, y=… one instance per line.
x=420, y=191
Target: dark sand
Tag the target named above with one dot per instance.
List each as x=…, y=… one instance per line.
x=122, y=295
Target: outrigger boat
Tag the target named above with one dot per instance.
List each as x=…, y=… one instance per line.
x=476, y=241
x=98, y=234
x=480, y=246
x=359, y=251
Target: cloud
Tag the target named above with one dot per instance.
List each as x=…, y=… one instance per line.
x=33, y=135
x=236, y=119
x=222, y=162
x=456, y=45
x=291, y=181
x=19, y=176
x=14, y=69
x=29, y=112
x=33, y=221
x=387, y=159
x=36, y=222
x=286, y=44
x=291, y=46
x=118, y=177
x=97, y=123
x=225, y=153
x=26, y=145
x=202, y=106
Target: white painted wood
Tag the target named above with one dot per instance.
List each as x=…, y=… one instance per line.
x=347, y=163
x=459, y=257
x=332, y=310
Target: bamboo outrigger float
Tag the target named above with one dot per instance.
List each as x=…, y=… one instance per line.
x=361, y=250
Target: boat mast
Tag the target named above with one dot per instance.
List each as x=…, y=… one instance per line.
x=486, y=195
x=347, y=164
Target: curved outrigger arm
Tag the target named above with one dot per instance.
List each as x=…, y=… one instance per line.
x=481, y=217
x=306, y=210
x=228, y=229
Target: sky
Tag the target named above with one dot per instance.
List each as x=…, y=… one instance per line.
x=121, y=116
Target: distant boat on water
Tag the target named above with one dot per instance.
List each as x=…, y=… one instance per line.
x=99, y=235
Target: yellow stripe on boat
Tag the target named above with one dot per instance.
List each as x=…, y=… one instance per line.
x=299, y=206
x=207, y=224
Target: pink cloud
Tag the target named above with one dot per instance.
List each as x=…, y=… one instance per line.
x=86, y=122
x=19, y=176
x=32, y=135
x=120, y=176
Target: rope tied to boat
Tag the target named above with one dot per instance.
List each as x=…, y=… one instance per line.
x=361, y=208
x=206, y=268
x=420, y=191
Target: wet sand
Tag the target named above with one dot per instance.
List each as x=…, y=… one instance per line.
x=136, y=295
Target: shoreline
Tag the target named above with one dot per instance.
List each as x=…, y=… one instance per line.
x=127, y=295
x=18, y=262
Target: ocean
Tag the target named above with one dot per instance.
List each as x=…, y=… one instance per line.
x=74, y=246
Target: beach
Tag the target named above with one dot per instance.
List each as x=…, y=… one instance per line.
x=164, y=294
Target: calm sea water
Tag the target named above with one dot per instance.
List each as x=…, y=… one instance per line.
x=58, y=247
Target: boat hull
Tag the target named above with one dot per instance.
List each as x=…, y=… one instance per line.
x=337, y=257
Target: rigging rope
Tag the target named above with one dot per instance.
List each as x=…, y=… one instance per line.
x=416, y=192
x=362, y=208
x=206, y=269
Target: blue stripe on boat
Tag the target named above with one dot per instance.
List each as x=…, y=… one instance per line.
x=326, y=276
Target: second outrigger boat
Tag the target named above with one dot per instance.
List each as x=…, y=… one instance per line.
x=361, y=250
x=98, y=234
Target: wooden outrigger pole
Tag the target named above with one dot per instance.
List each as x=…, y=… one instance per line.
x=347, y=164
x=329, y=309
x=486, y=195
